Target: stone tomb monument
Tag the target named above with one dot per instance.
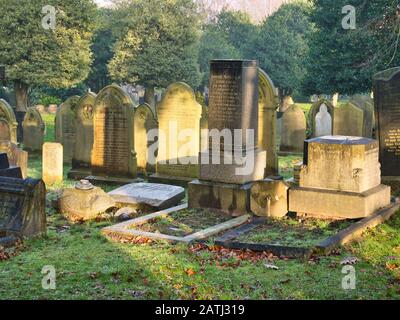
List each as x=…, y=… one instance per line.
x=349, y=120
x=22, y=208
x=144, y=121
x=52, y=166
x=66, y=127
x=293, y=134
x=16, y=156
x=81, y=159
x=321, y=118
x=8, y=123
x=229, y=167
x=113, y=155
x=340, y=178
x=387, y=107
x=178, y=116
x=34, y=130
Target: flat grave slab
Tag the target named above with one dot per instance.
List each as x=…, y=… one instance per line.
x=112, y=180
x=159, y=196
x=131, y=228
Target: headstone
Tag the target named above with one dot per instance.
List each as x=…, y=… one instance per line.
x=8, y=123
x=16, y=156
x=233, y=106
x=66, y=127
x=52, y=171
x=268, y=104
x=34, y=130
x=84, y=202
x=178, y=116
x=144, y=122
x=321, y=117
x=8, y=171
x=386, y=86
x=81, y=159
x=40, y=108
x=157, y=196
x=340, y=178
x=286, y=103
x=349, y=120
x=335, y=99
x=22, y=207
x=113, y=152
x=269, y=198
x=293, y=134
x=366, y=103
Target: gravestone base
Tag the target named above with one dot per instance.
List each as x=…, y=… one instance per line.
x=166, y=179
x=112, y=180
x=328, y=204
x=79, y=173
x=233, y=199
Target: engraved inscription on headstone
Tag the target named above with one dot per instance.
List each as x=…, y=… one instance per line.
x=387, y=106
x=52, y=171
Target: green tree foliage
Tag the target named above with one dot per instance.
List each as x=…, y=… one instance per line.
x=282, y=46
x=345, y=60
x=36, y=56
x=229, y=36
x=157, y=43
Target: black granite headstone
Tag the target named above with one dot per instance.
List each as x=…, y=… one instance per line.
x=387, y=108
x=8, y=171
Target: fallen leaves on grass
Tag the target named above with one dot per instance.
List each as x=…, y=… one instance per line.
x=8, y=253
x=349, y=261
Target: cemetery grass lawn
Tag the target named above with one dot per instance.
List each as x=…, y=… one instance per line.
x=89, y=266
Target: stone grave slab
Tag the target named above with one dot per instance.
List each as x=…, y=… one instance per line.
x=16, y=156
x=52, y=166
x=159, y=196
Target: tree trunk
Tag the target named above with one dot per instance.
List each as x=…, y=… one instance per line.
x=21, y=95
x=149, y=96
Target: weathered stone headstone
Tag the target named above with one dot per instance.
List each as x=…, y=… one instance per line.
x=16, y=156
x=113, y=154
x=82, y=155
x=349, y=120
x=178, y=116
x=52, y=109
x=84, y=202
x=366, y=103
x=8, y=123
x=40, y=108
x=293, y=134
x=52, y=171
x=267, y=121
x=340, y=178
x=8, y=171
x=321, y=118
x=233, y=106
x=22, y=207
x=286, y=103
x=269, y=198
x=34, y=130
x=387, y=107
x=144, y=122
x=66, y=127
x=158, y=196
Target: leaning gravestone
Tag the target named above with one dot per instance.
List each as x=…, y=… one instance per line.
x=387, y=107
x=34, y=129
x=113, y=155
x=81, y=159
x=66, y=127
x=52, y=166
x=321, y=118
x=178, y=116
x=22, y=208
x=225, y=184
x=349, y=120
x=158, y=196
x=8, y=123
x=366, y=104
x=293, y=132
x=16, y=156
x=144, y=122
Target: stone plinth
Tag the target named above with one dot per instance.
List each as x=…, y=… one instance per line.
x=340, y=178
